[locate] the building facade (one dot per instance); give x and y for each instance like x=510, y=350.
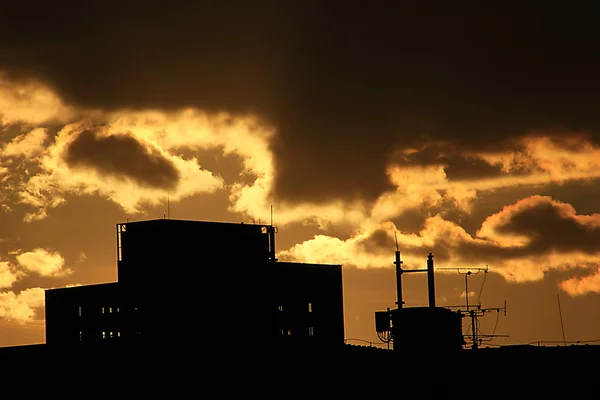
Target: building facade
x=197, y=282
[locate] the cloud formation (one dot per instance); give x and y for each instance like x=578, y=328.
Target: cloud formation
x=21, y=307
x=43, y=262
x=521, y=242
x=346, y=86
x=8, y=275
x=122, y=156
x=28, y=144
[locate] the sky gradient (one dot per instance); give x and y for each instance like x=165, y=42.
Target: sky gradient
x=466, y=131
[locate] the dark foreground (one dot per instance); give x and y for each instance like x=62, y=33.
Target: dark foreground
x=184, y=371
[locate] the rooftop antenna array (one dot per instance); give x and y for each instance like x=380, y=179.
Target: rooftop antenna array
x=385, y=334
x=476, y=337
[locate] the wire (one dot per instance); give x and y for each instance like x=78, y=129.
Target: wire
x=496, y=324
x=481, y=289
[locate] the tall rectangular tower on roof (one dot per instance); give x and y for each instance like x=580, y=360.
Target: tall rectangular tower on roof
x=147, y=249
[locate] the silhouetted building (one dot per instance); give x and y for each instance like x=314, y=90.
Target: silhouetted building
x=420, y=329
x=196, y=282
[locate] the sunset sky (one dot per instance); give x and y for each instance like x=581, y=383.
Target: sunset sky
x=472, y=132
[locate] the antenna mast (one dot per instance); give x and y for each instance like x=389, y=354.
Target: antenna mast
x=399, y=271
x=562, y=327
x=168, y=207
x=474, y=313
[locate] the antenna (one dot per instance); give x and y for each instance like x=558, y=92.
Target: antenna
x=562, y=327
x=271, y=215
x=474, y=313
x=396, y=238
x=168, y=207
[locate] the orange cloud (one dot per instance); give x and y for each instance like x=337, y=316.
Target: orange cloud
x=43, y=262
x=8, y=275
x=27, y=145
x=580, y=286
x=30, y=102
x=21, y=307
x=521, y=242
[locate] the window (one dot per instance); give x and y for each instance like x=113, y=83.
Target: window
x=281, y=332
x=280, y=308
x=309, y=307
x=110, y=334
x=110, y=310
x=311, y=331
x=102, y=310
x=103, y=335
x=263, y=230
x=117, y=309
x=80, y=311
x=80, y=336
x=289, y=332
x=118, y=334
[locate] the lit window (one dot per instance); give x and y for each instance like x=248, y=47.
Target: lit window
x=281, y=332
x=117, y=309
x=309, y=307
x=80, y=311
x=263, y=229
x=311, y=331
x=110, y=310
x=118, y=334
x=289, y=332
x=103, y=335
x=110, y=334
x=102, y=310
x=80, y=336
x=280, y=308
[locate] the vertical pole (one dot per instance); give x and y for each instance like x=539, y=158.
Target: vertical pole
x=430, y=280
x=398, y=263
x=474, y=329
x=467, y=289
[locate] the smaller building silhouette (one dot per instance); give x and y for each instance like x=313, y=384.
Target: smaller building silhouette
x=420, y=329
x=196, y=282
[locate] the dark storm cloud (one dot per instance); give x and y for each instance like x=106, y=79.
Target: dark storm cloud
x=345, y=82
x=122, y=156
x=547, y=226
x=456, y=165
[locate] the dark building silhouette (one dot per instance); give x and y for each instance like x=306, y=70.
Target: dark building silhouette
x=420, y=329
x=201, y=283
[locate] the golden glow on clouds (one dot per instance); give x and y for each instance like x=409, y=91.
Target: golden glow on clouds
x=43, y=262
x=28, y=144
x=507, y=254
x=57, y=178
x=581, y=286
x=21, y=307
x=548, y=159
x=8, y=276
x=542, y=160
x=30, y=102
